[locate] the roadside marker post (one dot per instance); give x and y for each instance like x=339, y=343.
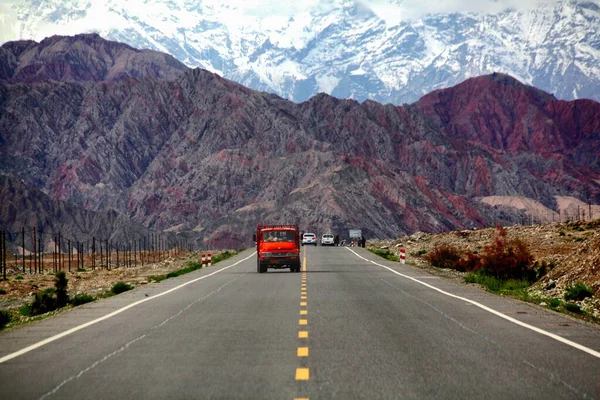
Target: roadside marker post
x=402, y=256
x=203, y=260
x=209, y=260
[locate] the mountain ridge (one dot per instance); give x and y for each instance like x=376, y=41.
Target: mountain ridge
x=344, y=49
x=201, y=154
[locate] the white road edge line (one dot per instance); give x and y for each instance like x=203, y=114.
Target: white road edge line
x=490, y=310
x=107, y=316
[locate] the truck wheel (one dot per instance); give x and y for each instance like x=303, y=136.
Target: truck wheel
x=262, y=268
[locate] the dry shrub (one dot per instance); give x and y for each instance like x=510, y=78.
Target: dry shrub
x=444, y=256
x=471, y=262
x=507, y=258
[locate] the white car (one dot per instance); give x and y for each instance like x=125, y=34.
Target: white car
x=327, y=240
x=309, y=238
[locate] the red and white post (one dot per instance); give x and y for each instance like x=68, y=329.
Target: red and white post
x=203, y=260
x=402, y=255
x=209, y=260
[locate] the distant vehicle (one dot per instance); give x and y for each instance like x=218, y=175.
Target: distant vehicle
x=277, y=247
x=327, y=240
x=309, y=238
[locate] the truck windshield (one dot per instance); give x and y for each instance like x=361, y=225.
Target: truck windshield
x=278, y=236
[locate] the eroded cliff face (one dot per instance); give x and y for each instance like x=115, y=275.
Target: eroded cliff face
x=191, y=151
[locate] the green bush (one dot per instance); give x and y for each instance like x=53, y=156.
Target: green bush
x=574, y=308
x=444, y=256
x=561, y=233
x=81, y=299
x=4, y=318
x=2, y=291
x=578, y=292
x=554, y=302
x=19, y=278
x=172, y=274
x=45, y=301
x=120, y=287
x=60, y=283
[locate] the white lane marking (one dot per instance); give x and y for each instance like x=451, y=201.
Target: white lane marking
x=491, y=310
x=107, y=316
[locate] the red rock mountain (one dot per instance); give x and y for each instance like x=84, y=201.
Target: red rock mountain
x=186, y=150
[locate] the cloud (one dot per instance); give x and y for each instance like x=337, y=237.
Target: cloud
x=394, y=11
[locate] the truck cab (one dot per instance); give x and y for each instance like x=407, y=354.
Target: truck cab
x=277, y=247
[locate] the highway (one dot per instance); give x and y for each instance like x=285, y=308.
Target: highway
x=343, y=328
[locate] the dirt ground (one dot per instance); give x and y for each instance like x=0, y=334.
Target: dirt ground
x=20, y=287
x=572, y=247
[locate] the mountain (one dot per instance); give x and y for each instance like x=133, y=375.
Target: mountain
x=200, y=154
x=349, y=49
x=25, y=207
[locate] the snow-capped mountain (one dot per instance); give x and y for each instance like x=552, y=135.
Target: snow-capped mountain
x=346, y=48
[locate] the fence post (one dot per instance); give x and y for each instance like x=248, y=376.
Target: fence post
x=41, y=251
x=23, y=250
x=2, y=250
x=35, y=263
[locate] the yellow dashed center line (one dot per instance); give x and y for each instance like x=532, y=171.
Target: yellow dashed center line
x=302, y=351
x=302, y=374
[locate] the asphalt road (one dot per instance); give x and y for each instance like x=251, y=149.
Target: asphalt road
x=357, y=331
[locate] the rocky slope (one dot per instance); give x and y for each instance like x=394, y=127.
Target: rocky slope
x=197, y=153
x=572, y=249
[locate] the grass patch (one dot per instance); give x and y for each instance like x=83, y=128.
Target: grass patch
x=25, y=310
x=388, y=255
x=81, y=299
x=578, y=292
x=223, y=256
x=192, y=266
x=493, y=284
x=19, y=278
x=156, y=278
x=120, y=287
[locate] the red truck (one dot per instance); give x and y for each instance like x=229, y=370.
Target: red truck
x=277, y=246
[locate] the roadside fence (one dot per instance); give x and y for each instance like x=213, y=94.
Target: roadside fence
x=36, y=252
